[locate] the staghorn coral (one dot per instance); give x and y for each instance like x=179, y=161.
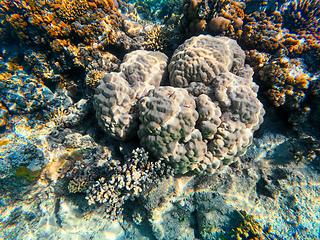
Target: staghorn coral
x=125, y=180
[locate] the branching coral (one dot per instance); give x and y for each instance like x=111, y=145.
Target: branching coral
x=60, y=29
x=71, y=10
x=157, y=38
x=260, y=33
x=125, y=180
x=302, y=16
x=287, y=82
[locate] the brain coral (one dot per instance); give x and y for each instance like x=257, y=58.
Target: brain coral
x=203, y=122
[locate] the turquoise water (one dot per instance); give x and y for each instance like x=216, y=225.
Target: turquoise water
x=159, y=119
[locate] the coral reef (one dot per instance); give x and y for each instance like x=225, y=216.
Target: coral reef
x=157, y=39
x=55, y=32
x=261, y=33
x=214, y=17
x=285, y=82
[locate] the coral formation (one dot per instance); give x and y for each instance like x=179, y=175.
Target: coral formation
x=56, y=31
x=261, y=33
x=201, y=59
x=285, y=82
x=201, y=132
x=157, y=38
x=215, y=17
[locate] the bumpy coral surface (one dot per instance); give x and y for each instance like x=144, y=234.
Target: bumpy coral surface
x=144, y=66
x=116, y=96
x=168, y=117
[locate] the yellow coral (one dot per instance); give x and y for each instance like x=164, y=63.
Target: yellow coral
x=156, y=39
x=93, y=77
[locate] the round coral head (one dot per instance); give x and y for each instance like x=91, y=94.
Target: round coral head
x=218, y=25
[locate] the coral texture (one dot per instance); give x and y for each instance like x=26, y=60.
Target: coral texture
x=214, y=16
x=201, y=59
x=116, y=96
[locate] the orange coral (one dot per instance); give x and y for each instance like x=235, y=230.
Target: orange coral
x=286, y=82
x=64, y=26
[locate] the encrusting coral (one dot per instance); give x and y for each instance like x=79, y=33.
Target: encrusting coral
x=202, y=122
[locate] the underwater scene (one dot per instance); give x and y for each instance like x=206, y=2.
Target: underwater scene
x=160, y=119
